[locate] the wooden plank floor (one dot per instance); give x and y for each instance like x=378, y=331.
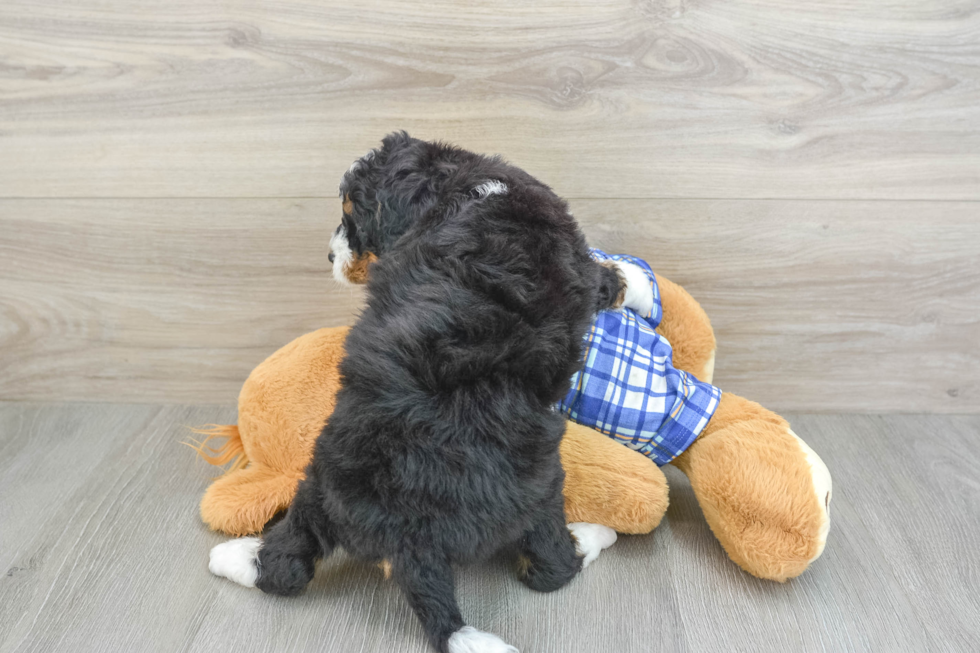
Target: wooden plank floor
x=101, y=549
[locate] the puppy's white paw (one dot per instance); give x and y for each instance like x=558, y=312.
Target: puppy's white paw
x=237, y=560
x=639, y=292
x=470, y=640
x=591, y=539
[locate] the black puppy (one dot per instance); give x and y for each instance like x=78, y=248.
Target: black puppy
x=443, y=446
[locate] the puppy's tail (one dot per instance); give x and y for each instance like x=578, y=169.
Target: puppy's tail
x=230, y=451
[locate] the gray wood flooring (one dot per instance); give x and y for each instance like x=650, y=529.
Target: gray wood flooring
x=101, y=549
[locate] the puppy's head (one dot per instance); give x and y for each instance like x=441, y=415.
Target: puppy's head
x=380, y=198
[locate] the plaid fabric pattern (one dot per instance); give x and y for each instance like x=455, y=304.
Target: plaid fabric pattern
x=629, y=388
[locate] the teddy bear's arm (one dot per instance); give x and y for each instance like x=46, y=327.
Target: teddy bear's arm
x=686, y=327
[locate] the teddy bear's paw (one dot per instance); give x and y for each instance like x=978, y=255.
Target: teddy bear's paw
x=470, y=640
x=639, y=290
x=591, y=539
x=237, y=560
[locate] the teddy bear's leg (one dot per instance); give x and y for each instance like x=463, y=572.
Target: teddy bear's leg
x=764, y=492
x=609, y=484
x=281, y=411
x=686, y=327
x=243, y=501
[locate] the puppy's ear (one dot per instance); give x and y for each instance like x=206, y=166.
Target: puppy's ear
x=394, y=215
x=396, y=140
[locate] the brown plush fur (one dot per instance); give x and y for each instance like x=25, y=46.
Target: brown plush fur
x=280, y=412
x=754, y=485
x=749, y=474
x=686, y=327
x=628, y=493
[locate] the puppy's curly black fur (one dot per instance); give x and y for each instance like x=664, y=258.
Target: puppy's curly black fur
x=443, y=446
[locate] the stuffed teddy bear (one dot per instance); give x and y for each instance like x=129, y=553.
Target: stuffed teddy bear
x=764, y=492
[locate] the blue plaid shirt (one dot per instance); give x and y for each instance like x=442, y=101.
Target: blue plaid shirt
x=629, y=388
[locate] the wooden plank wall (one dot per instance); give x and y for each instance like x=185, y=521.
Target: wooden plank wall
x=811, y=172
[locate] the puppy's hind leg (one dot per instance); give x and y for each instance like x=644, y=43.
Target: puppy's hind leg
x=283, y=562
x=427, y=582
x=288, y=555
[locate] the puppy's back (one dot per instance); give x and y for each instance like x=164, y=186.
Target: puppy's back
x=471, y=333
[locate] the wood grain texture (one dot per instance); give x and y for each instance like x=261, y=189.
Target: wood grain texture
x=822, y=306
x=601, y=98
x=102, y=550
x=166, y=299
x=818, y=306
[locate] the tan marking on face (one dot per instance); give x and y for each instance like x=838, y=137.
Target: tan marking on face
x=348, y=206
x=385, y=566
x=523, y=566
x=357, y=270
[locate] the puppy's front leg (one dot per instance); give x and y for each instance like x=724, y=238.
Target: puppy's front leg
x=548, y=557
x=624, y=284
x=611, y=285
x=552, y=553
x=282, y=563
x=637, y=289
x=427, y=582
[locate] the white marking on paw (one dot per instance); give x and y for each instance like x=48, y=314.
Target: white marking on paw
x=342, y=256
x=470, y=640
x=591, y=539
x=492, y=187
x=237, y=560
x=823, y=487
x=639, y=292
